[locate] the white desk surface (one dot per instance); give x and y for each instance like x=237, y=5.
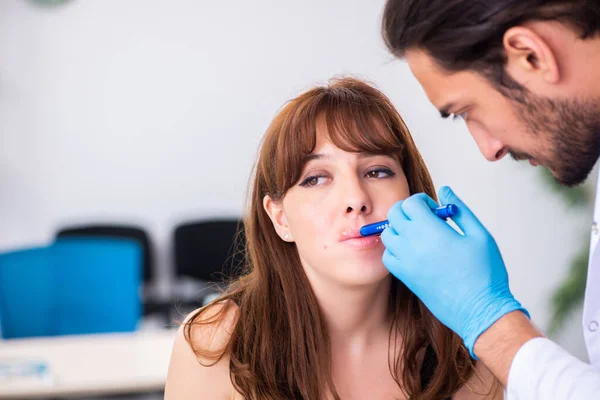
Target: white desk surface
x=90, y=364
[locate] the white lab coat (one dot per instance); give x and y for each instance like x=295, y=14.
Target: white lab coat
x=541, y=370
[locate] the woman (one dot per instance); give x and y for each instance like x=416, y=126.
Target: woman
x=317, y=315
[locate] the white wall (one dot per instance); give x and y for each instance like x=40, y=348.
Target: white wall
x=151, y=112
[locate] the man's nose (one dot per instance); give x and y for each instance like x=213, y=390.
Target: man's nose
x=491, y=148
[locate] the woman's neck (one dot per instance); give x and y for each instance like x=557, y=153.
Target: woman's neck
x=355, y=316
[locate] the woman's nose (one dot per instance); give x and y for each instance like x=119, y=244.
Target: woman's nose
x=362, y=209
x=357, y=199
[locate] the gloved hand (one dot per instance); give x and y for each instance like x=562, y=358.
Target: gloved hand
x=460, y=278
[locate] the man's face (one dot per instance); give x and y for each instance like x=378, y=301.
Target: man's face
x=562, y=135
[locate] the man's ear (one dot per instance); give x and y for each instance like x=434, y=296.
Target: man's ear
x=275, y=212
x=529, y=57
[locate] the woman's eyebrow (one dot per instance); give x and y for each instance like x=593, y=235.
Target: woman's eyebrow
x=360, y=154
x=364, y=154
x=317, y=156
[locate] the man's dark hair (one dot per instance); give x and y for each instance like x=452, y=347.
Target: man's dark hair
x=468, y=34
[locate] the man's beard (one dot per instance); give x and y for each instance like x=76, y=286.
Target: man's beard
x=569, y=129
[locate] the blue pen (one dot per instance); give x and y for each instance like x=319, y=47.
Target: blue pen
x=443, y=212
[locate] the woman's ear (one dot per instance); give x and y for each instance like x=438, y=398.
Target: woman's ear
x=275, y=212
x=529, y=56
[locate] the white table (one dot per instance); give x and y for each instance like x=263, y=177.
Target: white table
x=89, y=365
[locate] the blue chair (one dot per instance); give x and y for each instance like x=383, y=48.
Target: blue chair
x=75, y=286
x=26, y=293
x=98, y=285
x=151, y=303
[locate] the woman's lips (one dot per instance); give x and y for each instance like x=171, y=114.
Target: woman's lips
x=350, y=234
x=363, y=242
x=353, y=238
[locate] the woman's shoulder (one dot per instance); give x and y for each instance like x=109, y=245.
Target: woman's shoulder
x=209, y=329
x=199, y=366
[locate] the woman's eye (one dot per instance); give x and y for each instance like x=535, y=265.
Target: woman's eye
x=380, y=173
x=313, y=181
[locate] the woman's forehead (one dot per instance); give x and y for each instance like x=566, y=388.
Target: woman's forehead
x=328, y=151
x=353, y=136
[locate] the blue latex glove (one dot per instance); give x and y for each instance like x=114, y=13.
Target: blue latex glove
x=460, y=278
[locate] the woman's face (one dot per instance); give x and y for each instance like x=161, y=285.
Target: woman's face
x=337, y=194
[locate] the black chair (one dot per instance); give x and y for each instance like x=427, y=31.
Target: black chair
x=210, y=251
x=150, y=304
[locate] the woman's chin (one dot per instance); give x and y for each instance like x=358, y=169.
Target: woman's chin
x=362, y=273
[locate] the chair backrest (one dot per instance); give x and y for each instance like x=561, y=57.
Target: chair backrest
x=99, y=285
x=209, y=250
x=26, y=293
x=116, y=231
x=75, y=286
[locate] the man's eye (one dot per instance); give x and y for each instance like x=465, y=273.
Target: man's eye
x=454, y=116
x=462, y=116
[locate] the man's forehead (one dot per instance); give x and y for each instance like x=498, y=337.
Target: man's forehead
x=443, y=88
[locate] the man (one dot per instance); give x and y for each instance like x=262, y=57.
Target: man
x=525, y=77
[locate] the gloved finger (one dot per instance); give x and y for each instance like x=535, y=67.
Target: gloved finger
x=396, y=216
x=395, y=265
x=465, y=219
x=418, y=207
x=392, y=241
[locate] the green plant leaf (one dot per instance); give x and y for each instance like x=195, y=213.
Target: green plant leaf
x=570, y=292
